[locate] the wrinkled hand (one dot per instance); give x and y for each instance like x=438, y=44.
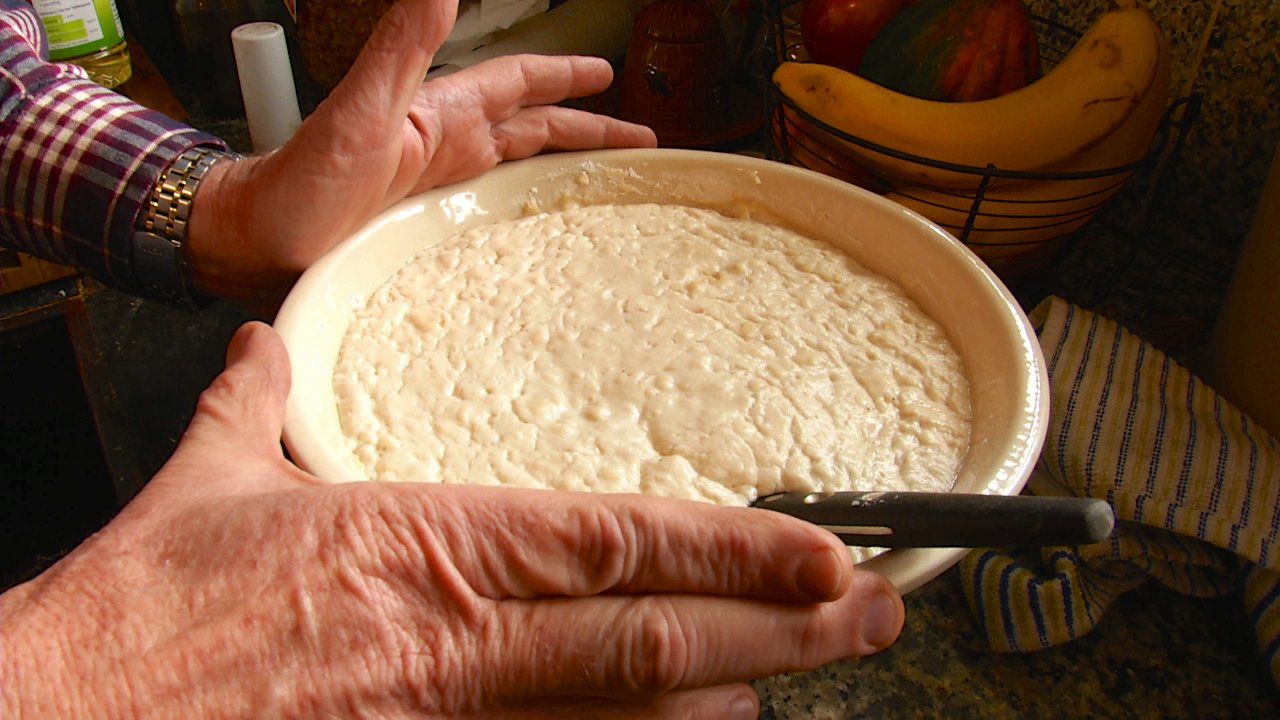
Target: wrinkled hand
x=383, y=134
x=236, y=585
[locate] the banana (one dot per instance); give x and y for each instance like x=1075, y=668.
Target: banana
x=1092, y=91
x=1018, y=215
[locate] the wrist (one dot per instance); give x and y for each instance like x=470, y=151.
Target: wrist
x=160, y=240
x=212, y=231
x=231, y=253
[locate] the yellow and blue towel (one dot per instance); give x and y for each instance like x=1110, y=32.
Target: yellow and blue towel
x=1194, y=482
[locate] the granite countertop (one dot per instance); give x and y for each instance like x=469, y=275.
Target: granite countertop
x=1155, y=655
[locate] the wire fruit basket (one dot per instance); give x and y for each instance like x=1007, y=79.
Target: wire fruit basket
x=1015, y=220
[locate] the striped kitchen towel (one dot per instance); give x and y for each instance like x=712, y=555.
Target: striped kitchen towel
x=1194, y=482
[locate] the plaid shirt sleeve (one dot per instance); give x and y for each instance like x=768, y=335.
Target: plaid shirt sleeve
x=77, y=161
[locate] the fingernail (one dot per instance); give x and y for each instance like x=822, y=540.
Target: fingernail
x=743, y=707
x=820, y=573
x=881, y=621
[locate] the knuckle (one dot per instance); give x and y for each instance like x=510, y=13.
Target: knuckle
x=607, y=546
x=657, y=657
x=370, y=534
x=395, y=23
x=430, y=671
x=222, y=395
x=726, y=550
x=813, y=646
x=421, y=636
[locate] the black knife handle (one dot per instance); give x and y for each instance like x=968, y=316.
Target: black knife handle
x=918, y=519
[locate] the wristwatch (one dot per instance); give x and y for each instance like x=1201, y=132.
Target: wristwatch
x=159, y=253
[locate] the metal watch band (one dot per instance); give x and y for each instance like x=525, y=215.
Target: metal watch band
x=159, y=257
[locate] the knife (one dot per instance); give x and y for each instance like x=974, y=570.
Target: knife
x=935, y=519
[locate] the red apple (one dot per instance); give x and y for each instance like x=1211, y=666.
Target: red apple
x=837, y=32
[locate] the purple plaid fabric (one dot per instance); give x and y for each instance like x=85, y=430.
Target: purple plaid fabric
x=76, y=160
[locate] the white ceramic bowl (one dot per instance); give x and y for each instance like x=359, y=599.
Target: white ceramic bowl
x=1007, y=376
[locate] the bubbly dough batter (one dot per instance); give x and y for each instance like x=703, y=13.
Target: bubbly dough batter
x=649, y=348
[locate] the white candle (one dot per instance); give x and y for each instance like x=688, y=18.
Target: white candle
x=266, y=84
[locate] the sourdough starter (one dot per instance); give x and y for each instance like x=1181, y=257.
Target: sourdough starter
x=649, y=348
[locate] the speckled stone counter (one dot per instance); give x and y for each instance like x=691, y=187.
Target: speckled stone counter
x=1155, y=655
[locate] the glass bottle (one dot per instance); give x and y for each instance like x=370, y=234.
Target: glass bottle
x=88, y=33
x=207, y=65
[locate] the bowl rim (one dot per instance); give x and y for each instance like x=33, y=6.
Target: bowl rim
x=907, y=568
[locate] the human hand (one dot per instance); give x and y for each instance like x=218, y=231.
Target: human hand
x=236, y=585
x=383, y=134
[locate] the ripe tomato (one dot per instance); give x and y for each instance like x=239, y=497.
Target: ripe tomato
x=836, y=32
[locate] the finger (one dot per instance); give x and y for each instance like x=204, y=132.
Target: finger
x=512, y=82
x=240, y=415
x=394, y=61
x=557, y=128
x=244, y=405
x=638, y=646
x=509, y=542
x=725, y=702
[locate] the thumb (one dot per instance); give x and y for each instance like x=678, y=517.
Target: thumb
x=395, y=59
x=233, y=441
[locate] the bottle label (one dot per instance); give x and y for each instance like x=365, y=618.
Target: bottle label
x=79, y=27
